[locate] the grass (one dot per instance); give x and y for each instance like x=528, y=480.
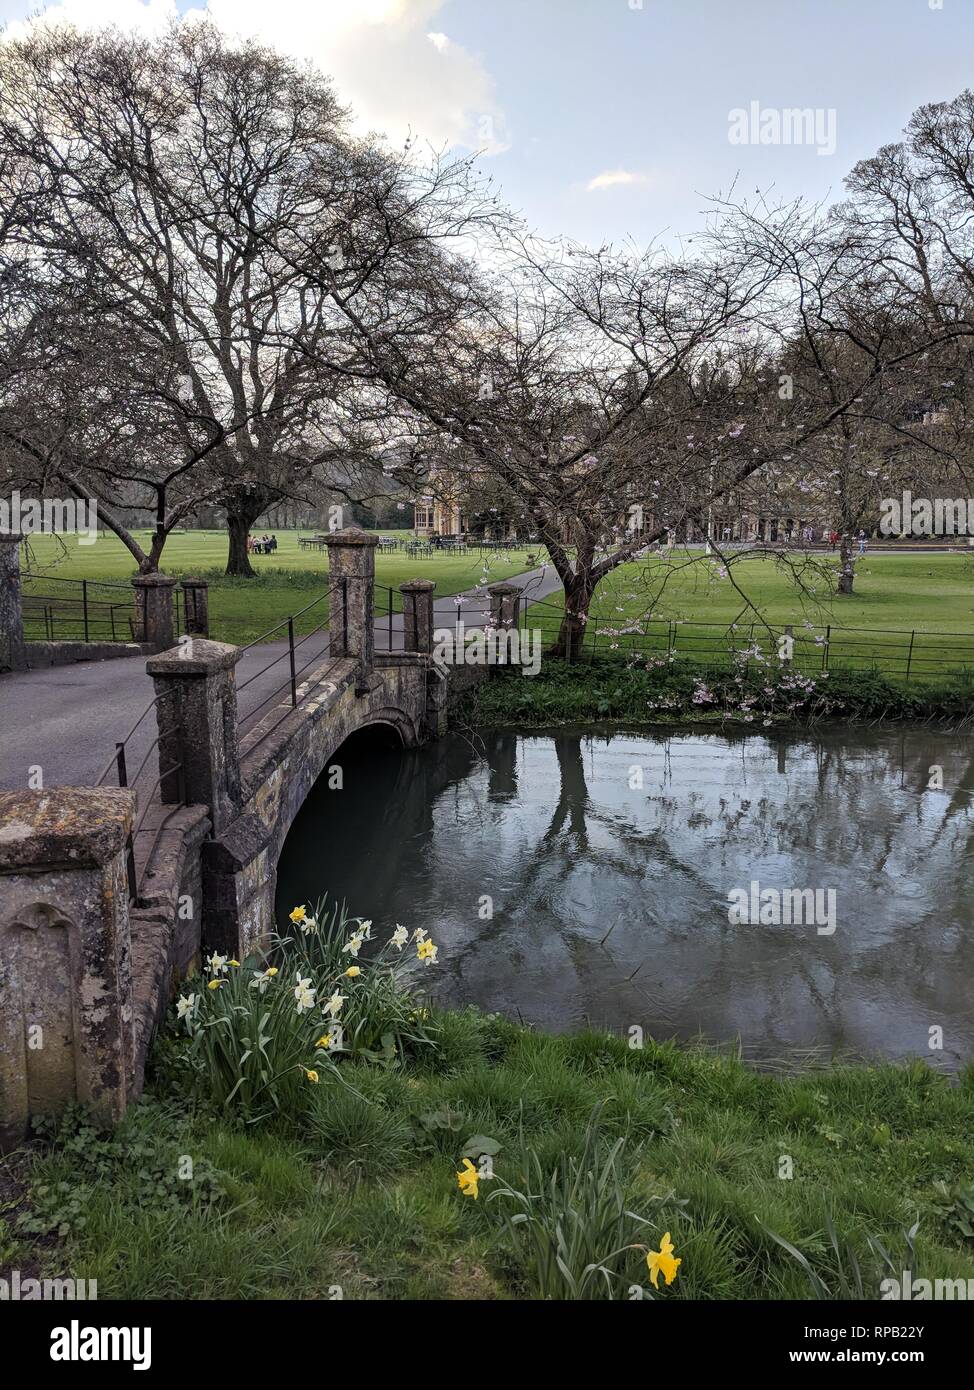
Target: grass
x=359, y=1193
x=625, y=692
x=686, y=605
x=243, y=609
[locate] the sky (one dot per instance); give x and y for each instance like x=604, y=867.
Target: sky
x=607, y=120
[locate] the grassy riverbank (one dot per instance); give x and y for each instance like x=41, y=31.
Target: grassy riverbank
x=358, y=1191
x=614, y=688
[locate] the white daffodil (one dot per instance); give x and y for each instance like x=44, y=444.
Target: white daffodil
x=334, y=1005
x=262, y=978
x=399, y=937
x=304, y=994
x=217, y=964
x=354, y=944
x=309, y=925
x=419, y=934
x=185, y=1004
x=365, y=929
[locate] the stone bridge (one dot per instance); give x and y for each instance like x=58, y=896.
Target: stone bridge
x=98, y=926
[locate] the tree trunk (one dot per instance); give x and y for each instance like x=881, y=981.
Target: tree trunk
x=241, y=515
x=571, y=634
x=847, y=565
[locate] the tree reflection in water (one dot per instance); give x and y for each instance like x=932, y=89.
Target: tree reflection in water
x=609, y=902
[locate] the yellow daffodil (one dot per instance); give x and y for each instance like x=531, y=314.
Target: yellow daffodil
x=467, y=1179
x=353, y=970
x=298, y=914
x=235, y=962
x=215, y=984
x=324, y=1040
x=661, y=1261
x=427, y=951
x=312, y=1076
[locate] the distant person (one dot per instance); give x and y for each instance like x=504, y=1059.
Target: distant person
x=863, y=540
x=272, y=544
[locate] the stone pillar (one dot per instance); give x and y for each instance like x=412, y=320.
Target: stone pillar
x=505, y=602
x=153, y=610
x=351, y=624
x=65, y=973
x=196, y=606
x=417, y=615
x=13, y=651
x=197, y=717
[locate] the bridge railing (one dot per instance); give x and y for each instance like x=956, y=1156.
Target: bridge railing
x=307, y=650
x=117, y=772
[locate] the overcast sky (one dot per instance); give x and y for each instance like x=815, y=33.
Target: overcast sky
x=604, y=119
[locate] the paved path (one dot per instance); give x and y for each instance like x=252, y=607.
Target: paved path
x=67, y=719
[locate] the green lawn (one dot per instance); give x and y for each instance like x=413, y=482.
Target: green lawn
x=242, y=609
x=689, y=608
x=359, y=1192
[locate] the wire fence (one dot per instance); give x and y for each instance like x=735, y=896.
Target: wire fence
x=909, y=656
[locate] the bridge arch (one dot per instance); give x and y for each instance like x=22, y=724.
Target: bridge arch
x=280, y=764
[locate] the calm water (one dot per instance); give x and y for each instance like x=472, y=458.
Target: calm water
x=610, y=902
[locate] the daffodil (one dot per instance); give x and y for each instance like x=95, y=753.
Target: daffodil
x=467, y=1179
x=215, y=984
x=354, y=944
x=419, y=934
x=262, y=978
x=217, y=964
x=236, y=963
x=324, y=1041
x=312, y=1076
x=185, y=1005
x=399, y=937
x=353, y=971
x=427, y=951
x=334, y=1005
x=298, y=914
x=304, y=995
x=661, y=1261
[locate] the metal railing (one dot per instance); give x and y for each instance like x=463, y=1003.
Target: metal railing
x=144, y=788
x=83, y=609
x=291, y=682
x=907, y=655
x=86, y=610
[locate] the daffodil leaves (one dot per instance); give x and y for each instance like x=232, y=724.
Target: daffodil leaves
x=480, y=1145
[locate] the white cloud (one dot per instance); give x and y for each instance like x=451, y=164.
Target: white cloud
x=611, y=178
x=395, y=72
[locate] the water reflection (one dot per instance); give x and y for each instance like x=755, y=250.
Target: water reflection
x=609, y=899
